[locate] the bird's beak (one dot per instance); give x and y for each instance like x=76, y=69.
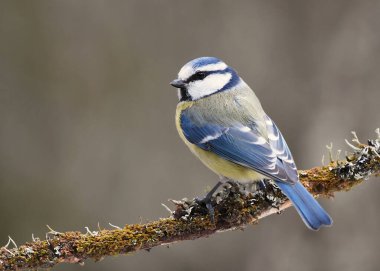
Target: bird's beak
x=178, y=83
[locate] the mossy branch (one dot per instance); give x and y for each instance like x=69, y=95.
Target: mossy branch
x=234, y=208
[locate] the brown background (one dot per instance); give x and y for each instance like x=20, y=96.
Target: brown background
x=87, y=129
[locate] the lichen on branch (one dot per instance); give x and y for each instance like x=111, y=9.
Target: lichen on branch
x=235, y=206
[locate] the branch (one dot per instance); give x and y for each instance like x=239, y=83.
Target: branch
x=235, y=207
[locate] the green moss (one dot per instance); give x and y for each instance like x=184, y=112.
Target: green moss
x=234, y=207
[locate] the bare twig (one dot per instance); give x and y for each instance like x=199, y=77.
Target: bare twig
x=234, y=208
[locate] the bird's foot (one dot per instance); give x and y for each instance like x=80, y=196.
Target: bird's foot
x=261, y=185
x=207, y=201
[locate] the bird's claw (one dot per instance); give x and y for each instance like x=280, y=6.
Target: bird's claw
x=207, y=201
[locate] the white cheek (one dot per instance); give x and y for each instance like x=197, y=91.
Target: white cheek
x=209, y=85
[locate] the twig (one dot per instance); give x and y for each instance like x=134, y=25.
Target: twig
x=234, y=208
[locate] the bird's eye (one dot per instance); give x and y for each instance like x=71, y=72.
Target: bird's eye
x=200, y=75
x=197, y=76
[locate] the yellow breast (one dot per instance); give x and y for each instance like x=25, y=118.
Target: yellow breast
x=214, y=162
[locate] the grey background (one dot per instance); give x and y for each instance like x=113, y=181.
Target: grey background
x=87, y=130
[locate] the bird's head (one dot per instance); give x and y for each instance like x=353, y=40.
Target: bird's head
x=203, y=77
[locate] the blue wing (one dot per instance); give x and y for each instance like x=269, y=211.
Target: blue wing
x=243, y=145
x=268, y=155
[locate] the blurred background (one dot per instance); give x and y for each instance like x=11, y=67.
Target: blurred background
x=87, y=130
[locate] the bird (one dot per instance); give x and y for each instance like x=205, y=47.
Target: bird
x=222, y=122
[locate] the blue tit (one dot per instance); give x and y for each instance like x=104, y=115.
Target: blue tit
x=222, y=122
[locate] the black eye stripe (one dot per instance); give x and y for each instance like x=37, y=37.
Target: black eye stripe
x=197, y=76
x=200, y=75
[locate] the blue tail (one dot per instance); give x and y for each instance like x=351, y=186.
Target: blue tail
x=312, y=214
